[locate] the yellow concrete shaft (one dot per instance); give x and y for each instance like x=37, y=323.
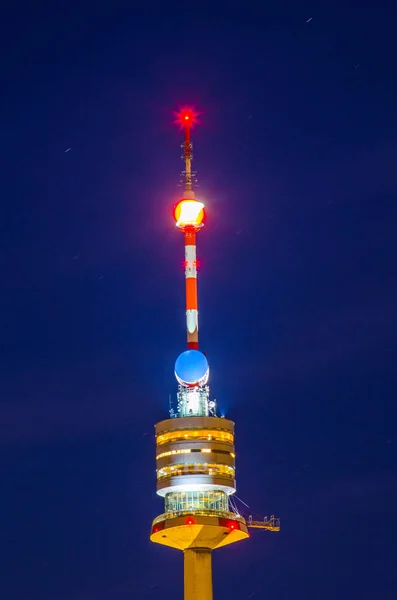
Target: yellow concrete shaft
x=198, y=574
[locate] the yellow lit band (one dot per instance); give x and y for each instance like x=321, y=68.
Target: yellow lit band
x=188, y=451
x=196, y=469
x=195, y=434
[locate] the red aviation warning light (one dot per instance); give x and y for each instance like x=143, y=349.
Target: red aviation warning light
x=189, y=213
x=186, y=117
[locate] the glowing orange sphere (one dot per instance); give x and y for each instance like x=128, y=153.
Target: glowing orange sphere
x=189, y=213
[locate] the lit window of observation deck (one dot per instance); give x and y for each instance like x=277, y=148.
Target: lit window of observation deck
x=211, y=500
x=189, y=450
x=213, y=470
x=195, y=434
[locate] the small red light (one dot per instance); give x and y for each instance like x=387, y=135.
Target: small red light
x=158, y=527
x=189, y=521
x=186, y=116
x=230, y=524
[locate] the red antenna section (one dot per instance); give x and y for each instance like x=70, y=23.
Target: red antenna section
x=189, y=217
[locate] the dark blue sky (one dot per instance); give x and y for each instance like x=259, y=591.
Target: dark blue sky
x=296, y=157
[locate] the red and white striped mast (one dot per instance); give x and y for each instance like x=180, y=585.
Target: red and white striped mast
x=189, y=216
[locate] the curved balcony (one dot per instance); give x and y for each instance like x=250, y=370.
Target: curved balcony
x=202, y=513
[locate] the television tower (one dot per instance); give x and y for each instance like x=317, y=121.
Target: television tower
x=195, y=455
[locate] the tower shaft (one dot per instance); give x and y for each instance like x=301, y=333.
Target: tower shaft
x=198, y=574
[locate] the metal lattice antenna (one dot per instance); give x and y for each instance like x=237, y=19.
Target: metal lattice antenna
x=187, y=117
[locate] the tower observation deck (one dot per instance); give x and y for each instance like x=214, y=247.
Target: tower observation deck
x=195, y=452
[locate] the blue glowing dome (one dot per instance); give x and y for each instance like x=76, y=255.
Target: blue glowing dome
x=191, y=368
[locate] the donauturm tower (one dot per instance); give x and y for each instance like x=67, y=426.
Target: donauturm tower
x=195, y=452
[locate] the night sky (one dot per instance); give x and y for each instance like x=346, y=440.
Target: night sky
x=296, y=159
